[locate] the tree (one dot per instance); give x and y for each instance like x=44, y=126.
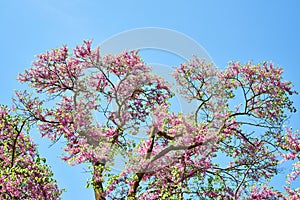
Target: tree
x=97, y=103
x=23, y=174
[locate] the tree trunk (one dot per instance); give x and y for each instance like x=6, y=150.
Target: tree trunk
x=97, y=181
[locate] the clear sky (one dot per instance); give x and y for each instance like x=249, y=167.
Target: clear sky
x=228, y=30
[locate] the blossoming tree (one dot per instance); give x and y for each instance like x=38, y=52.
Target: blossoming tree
x=229, y=147
x=23, y=174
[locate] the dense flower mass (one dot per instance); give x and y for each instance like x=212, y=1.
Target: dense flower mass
x=23, y=173
x=229, y=147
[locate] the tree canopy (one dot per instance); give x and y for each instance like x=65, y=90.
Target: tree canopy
x=229, y=147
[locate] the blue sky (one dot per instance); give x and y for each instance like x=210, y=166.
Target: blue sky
x=228, y=30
